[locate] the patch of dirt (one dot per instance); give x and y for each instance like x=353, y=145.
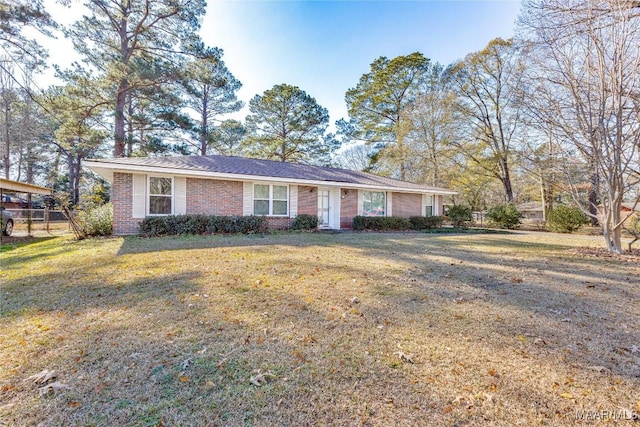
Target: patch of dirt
x=630, y=256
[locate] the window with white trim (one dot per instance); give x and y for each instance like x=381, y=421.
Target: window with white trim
x=271, y=200
x=374, y=203
x=428, y=211
x=160, y=195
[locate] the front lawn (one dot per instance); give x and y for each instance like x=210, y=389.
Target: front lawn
x=318, y=329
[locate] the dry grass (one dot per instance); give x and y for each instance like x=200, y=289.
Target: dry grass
x=517, y=329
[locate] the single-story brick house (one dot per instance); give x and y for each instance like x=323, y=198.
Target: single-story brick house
x=225, y=185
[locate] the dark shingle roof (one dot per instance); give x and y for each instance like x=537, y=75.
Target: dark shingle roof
x=266, y=168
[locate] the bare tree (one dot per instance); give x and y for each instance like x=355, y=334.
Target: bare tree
x=8, y=97
x=587, y=83
x=433, y=122
x=488, y=85
x=355, y=157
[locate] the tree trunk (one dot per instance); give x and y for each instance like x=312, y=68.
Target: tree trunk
x=130, y=130
x=593, y=198
x=119, y=133
x=72, y=180
x=204, y=131
x=6, y=158
x=506, y=179
x=29, y=164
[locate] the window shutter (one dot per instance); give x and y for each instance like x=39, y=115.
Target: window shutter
x=139, y=201
x=334, y=208
x=424, y=205
x=437, y=204
x=180, y=196
x=293, y=201
x=247, y=198
x=360, y=202
x=389, y=211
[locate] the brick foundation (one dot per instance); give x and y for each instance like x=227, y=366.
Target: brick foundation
x=279, y=223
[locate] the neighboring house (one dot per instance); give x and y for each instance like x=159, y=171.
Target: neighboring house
x=627, y=211
x=222, y=185
x=531, y=211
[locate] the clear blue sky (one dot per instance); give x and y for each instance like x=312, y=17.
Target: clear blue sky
x=325, y=46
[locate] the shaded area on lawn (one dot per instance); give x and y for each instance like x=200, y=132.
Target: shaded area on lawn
x=485, y=319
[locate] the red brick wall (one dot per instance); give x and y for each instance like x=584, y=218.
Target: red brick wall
x=348, y=207
x=307, y=200
x=279, y=223
x=406, y=204
x=121, y=197
x=213, y=197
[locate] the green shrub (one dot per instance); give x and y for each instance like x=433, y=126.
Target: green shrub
x=460, y=215
x=97, y=221
x=154, y=226
x=566, y=219
x=305, y=222
x=201, y=224
x=425, y=222
x=504, y=216
x=380, y=223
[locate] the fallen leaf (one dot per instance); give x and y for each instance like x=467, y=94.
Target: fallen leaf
x=209, y=385
x=184, y=378
x=259, y=379
x=74, y=404
x=566, y=395
x=42, y=377
x=404, y=357
x=51, y=389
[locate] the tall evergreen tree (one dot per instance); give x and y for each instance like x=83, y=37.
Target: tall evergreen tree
x=288, y=125
x=211, y=93
x=122, y=39
x=377, y=103
x=15, y=16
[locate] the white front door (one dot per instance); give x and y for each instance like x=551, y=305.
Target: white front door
x=323, y=208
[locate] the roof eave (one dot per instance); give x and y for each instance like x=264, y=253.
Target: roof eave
x=8, y=185
x=106, y=170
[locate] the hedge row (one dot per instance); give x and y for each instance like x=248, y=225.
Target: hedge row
x=210, y=224
x=202, y=224
x=380, y=223
x=305, y=222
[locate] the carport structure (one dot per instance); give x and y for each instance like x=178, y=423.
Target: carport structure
x=9, y=186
